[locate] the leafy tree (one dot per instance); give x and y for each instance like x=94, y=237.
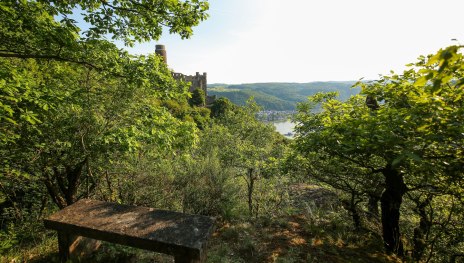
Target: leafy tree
x=357, y=184
x=198, y=98
x=97, y=118
x=255, y=148
x=413, y=138
x=220, y=107
x=71, y=102
x=37, y=33
x=46, y=31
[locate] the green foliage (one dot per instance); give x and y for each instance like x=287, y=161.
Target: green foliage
x=98, y=116
x=207, y=187
x=251, y=147
x=126, y=20
x=72, y=104
x=7, y=241
x=198, y=98
x=210, y=177
x=414, y=135
x=201, y=116
x=80, y=117
x=30, y=30
x=220, y=107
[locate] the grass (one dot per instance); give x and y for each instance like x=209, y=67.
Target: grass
x=311, y=231
x=295, y=241
x=318, y=231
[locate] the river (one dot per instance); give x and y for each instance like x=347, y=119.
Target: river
x=285, y=128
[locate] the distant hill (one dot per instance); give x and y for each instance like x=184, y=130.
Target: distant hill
x=280, y=96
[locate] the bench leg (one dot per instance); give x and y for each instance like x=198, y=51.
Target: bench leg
x=75, y=247
x=64, y=242
x=185, y=259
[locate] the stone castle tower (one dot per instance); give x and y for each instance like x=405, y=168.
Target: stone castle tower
x=161, y=51
x=197, y=81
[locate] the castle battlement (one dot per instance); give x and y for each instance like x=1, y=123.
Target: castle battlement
x=197, y=81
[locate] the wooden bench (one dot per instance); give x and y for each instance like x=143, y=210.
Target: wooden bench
x=180, y=235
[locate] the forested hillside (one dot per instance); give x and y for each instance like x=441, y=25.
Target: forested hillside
x=373, y=177
x=280, y=96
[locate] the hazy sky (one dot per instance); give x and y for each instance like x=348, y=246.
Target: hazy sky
x=246, y=41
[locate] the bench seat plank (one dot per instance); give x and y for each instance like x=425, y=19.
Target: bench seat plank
x=162, y=231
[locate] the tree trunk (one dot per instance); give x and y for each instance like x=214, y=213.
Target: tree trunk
x=354, y=213
x=250, y=184
x=421, y=232
x=351, y=206
x=390, y=201
x=63, y=185
x=54, y=192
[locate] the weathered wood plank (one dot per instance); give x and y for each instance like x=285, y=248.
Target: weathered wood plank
x=180, y=235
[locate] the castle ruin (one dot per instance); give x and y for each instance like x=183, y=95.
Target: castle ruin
x=197, y=81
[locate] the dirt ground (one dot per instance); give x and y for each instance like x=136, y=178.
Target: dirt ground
x=306, y=235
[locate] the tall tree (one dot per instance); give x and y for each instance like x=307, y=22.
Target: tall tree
x=255, y=148
x=71, y=101
x=47, y=31
x=410, y=131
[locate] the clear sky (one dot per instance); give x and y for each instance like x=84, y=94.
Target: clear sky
x=247, y=41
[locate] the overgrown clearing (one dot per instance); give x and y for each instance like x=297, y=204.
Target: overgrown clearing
x=380, y=170
x=315, y=228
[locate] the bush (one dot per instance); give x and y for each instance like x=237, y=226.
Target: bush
x=206, y=187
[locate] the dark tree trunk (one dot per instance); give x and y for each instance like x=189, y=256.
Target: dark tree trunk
x=63, y=185
x=354, y=213
x=54, y=192
x=351, y=207
x=421, y=232
x=390, y=202
x=250, y=185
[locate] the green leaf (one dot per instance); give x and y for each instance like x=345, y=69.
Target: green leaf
x=420, y=81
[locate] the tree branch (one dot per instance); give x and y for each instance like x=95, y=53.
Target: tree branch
x=52, y=57
x=57, y=58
